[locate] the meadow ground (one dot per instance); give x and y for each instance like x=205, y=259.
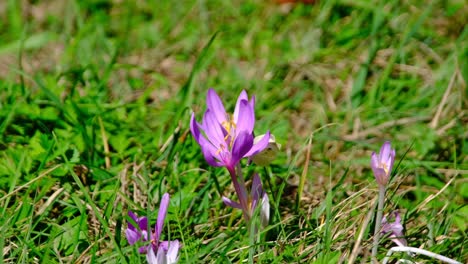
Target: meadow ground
x=95, y=104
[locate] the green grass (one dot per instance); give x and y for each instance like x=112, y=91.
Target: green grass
x=95, y=102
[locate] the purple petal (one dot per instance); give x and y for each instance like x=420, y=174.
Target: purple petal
x=385, y=152
x=260, y=146
x=164, y=245
x=257, y=190
x=231, y=203
x=395, y=229
x=143, y=223
x=208, y=149
x=374, y=161
x=151, y=257
x=246, y=118
x=194, y=128
x=391, y=160
x=132, y=236
x=213, y=130
x=380, y=176
x=243, y=96
x=173, y=251
x=134, y=217
x=161, y=215
x=397, y=218
x=242, y=145
x=211, y=159
x=215, y=104
x=252, y=102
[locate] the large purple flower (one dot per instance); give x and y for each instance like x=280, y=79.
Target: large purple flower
x=226, y=139
x=382, y=163
x=156, y=250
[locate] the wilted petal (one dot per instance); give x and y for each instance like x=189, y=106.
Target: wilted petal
x=231, y=203
x=215, y=104
x=265, y=210
x=161, y=215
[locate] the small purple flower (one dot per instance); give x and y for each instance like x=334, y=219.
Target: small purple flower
x=226, y=139
x=395, y=230
x=139, y=233
x=382, y=163
x=257, y=197
x=157, y=250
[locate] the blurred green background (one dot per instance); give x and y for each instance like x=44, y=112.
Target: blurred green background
x=95, y=98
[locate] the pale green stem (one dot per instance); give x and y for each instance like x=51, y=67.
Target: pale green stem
x=378, y=221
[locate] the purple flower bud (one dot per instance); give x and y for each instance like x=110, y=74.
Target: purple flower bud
x=382, y=163
x=156, y=251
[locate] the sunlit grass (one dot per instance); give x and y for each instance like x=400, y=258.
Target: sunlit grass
x=95, y=102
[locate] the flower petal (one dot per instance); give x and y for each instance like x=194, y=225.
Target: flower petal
x=151, y=257
x=210, y=157
x=172, y=252
x=257, y=190
x=161, y=216
x=195, y=128
x=391, y=161
x=132, y=236
x=385, y=152
x=261, y=145
x=231, y=203
x=208, y=149
x=215, y=104
x=374, y=161
x=243, y=96
x=214, y=131
x=246, y=118
x=242, y=145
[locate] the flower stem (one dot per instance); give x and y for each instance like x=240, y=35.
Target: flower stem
x=239, y=186
x=378, y=221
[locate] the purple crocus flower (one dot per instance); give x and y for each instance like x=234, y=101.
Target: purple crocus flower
x=139, y=232
x=395, y=230
x=157, y=251
x=382, y=163
x=257, y=197
x=226, y=139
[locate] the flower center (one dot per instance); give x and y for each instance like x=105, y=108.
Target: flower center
x=384, y=166
x=230, y=126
